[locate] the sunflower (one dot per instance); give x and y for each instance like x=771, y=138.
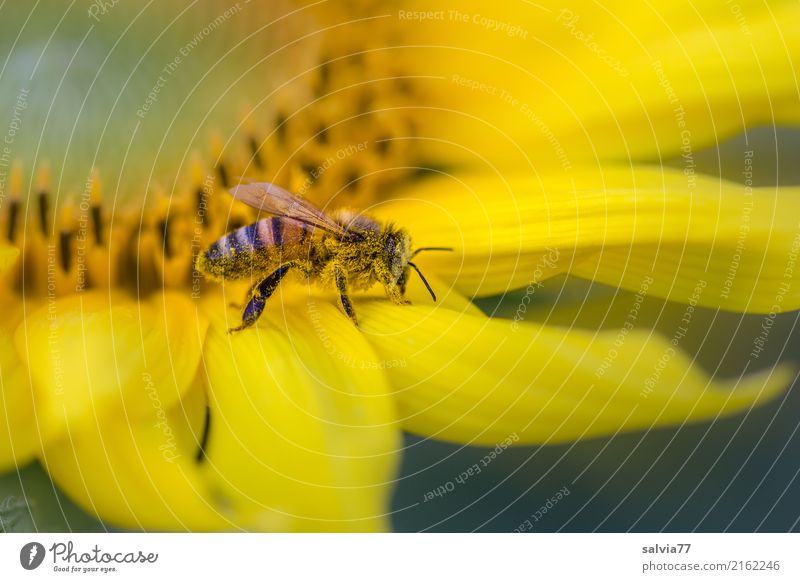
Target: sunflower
x=528, y=138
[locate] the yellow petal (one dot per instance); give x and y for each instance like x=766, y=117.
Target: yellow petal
x=88, y=357
x=303, y=433
x=619, y=226
x=417, y=294
x=140, y=473
x=19, y=439
x=555, y=84
x=482, y=381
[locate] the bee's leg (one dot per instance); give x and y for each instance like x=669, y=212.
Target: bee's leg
x=398, y=291
x=341, y=286
x=403, y=281
x=265, y=288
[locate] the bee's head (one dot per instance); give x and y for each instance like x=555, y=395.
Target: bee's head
x=398, y=253
x=397, y=249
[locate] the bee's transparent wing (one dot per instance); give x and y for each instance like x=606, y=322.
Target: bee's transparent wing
x=273, y=199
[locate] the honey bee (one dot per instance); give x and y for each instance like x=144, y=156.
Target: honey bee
x=345, y=250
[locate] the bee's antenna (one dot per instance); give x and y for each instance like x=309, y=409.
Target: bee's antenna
x=418, y=251
x=412, y=265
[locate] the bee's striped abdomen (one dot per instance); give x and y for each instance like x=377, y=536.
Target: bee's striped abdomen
x=268, y=233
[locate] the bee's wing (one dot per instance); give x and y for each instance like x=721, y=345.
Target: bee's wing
x=273, y=199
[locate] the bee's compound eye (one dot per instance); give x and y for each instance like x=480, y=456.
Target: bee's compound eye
x=394, y=257
x=390, y=245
